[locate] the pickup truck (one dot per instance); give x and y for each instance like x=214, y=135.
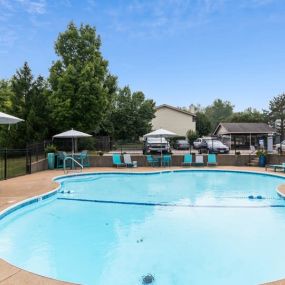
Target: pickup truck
x=156, y=145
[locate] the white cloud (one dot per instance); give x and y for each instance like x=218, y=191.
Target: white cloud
x=156, y=18
x=256, y=3
x=159, y=17
x=33, y=7
x=7, y=37
x=30, y=6
x=12, y=15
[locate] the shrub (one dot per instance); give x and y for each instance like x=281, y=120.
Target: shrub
x=51, y=148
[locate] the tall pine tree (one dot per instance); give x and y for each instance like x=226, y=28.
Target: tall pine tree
x=29, y=102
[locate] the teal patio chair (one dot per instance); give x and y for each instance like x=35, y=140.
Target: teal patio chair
x=84, y=158
x=117, y=160
x=152, y=161
x=187, y=161
x=166, y=160
x=60, y=156
x=212, y=159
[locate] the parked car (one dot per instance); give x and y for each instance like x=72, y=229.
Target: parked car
x=181, y=144
x=197, y=143
x=156, y=145
x=280, y=146
x=201, y=143
x=216, y=146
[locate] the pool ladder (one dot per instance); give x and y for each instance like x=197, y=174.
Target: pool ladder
x=74, y=162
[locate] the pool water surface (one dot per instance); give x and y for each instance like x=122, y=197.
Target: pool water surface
x=192, y=227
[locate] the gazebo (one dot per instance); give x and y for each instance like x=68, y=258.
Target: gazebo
x=245, y=135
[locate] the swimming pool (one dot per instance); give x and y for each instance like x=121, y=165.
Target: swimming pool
x=187, y=227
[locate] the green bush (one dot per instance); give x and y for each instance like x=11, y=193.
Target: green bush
x=51, y=148
x=261, y=153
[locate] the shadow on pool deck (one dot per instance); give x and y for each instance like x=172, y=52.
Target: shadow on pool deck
x=23, y=187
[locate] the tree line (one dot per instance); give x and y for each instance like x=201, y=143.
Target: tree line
x=80, y=93
x=208, y=118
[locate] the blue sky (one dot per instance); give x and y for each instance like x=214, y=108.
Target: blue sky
x=176, y=51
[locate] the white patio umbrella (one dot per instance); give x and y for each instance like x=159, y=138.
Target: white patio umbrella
x=160, y=133
x=6, y=119
x=74, y=135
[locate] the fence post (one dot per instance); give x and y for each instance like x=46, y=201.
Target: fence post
x=5, y=163
x=28, y=161
x=37, y=152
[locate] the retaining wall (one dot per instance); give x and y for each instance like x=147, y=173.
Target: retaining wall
x=223, y=160
x=39, y=165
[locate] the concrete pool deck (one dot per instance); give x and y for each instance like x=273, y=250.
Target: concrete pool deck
x=21, y=188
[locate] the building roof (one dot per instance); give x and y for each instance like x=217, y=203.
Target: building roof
x=243, y=128
x=175, y=109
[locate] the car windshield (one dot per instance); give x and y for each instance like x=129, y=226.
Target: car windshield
x=214, y=142
x=182, y=141
x=218, y=143
x=156, y=140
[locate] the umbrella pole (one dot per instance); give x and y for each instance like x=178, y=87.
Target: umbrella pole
x=72, y=152
x=161, y=151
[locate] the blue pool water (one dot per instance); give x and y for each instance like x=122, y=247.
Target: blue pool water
x=194, y=227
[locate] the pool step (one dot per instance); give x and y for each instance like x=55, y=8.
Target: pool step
x=253, y=161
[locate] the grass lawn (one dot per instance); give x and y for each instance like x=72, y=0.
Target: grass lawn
x=15, y=166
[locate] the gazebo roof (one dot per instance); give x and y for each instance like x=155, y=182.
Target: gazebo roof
x=243, y=128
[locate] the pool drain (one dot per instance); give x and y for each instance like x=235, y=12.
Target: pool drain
x=255, y=197
x=147, y=279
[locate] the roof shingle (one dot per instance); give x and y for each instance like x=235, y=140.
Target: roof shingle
x=243, y=128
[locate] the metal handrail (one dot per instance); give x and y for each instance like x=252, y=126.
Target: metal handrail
x=73, y=160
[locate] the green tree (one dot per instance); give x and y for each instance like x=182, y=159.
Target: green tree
x=5, y=95
x=218, y=112
x=132, y=115
x=203, y=124
x=5, y=105
x=21, y=86
x=28, y=100
x=249, y=115
x=276, y=113
x=82, y=87
x=37, y=118
x=191, y=137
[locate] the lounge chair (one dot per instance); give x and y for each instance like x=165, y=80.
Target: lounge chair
x=117, y=160
x=60, y=156
x=127, y=160
x=166, y=160
x=275, y=166
x=152, y=161
x=199, y=160
x=187, y=161
x=212, y=159
x=252, y=149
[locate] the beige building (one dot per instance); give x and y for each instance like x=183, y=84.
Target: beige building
x=174, y=119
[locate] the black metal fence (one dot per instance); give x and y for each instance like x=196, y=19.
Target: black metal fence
x=37, y=150
x=122, y=147
x=14, y=162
